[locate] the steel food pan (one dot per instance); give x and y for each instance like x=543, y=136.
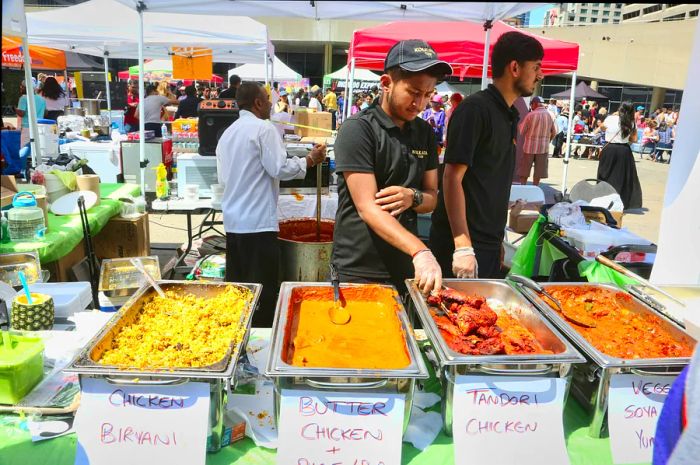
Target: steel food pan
x=449, y=364
x=667, y=307
x=591, y=381
x=287, y=376
x=12, y=263
x=87, y=360
x=120, y=278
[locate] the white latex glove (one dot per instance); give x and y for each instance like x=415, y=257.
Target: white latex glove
x=464, y=265
x=428, y=275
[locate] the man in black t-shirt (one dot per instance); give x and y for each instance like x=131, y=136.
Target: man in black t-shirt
x=386, y=158
x=234, y=82
x=468, y=223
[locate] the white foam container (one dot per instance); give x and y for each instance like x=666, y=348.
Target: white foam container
x=68, y=298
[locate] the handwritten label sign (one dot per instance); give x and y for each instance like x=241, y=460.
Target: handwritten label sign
x=507, y=420
x=340, y=428
x=142, y=424
x=634, y=405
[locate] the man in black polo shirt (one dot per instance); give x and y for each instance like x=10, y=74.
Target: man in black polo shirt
x=468, y=223
x=387, y=160
x=234, y=83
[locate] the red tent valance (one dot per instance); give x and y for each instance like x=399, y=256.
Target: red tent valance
x=460, y=43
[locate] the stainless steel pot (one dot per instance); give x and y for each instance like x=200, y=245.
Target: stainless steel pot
x=450, y=364
x=401, y=381
x=591, y=381
x=73, y=111
x=91, y=106
x=302, y=260
x=219, y=376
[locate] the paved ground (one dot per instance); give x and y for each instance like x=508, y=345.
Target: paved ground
x=168, y=230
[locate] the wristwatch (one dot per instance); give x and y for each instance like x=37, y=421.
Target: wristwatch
x=417, y=197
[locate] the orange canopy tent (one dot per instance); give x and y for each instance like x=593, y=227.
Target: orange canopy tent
x=42, y=57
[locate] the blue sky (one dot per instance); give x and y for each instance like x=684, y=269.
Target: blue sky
x=537, y=15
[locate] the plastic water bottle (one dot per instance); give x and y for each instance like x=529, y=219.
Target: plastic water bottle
x=164, y=131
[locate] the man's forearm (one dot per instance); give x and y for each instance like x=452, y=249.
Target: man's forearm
x=390, y=230
x=456, y=207
x=429, y=202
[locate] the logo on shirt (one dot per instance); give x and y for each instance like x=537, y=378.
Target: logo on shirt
x=419, y=153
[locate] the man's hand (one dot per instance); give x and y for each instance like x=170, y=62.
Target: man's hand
x=428, y=275
x=316, y=155
x=394, y=199
x=464, y=264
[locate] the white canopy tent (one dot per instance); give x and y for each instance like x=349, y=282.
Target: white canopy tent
x=109, y=28
x=14, y=24
x=364, y=76
x=258, y=72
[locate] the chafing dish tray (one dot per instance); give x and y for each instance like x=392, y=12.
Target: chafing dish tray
x=385, y=380
x=12, y=263
x=219, y=376
x=690, y=295
x=120, y=278
x=449, y=364
x=592, y=380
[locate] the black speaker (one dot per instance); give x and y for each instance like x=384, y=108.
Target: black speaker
x=214, y=117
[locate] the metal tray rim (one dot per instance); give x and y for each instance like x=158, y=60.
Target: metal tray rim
x=75, y=365
x=124, y=291
x=275, y=367
x=600, y=358
x=448, y=357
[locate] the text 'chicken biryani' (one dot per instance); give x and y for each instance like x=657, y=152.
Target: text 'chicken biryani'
x=617, y=330
x=181, y=331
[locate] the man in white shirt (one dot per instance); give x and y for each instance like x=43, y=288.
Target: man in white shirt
x=152, y=107
x=251, y=160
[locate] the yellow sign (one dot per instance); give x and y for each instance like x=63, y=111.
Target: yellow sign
x=192, y=63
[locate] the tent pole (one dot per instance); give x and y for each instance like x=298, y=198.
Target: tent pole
x=34, y=143
x=109, y=97
x=568, y=133
x=142, y=116
x=485, y=64
x=345, y=100
x=266, y=68
x=350, y=85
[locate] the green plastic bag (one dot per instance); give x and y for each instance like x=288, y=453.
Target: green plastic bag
x=596, y=272
x=523, y=262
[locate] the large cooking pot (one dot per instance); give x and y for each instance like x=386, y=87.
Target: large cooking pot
x=303, y=257
x=74, y=111
x=91, y=106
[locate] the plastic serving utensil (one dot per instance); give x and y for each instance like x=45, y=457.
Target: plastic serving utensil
x=530, y=284
x=6, y=341
x=139, y=266
x=338, y=314
x=25, y=286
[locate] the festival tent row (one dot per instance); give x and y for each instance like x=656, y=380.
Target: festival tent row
x=256, y=72
x=364, y=79
x=158, y=70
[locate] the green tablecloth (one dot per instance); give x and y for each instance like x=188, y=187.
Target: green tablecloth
x=66, y=232
x=16, y=446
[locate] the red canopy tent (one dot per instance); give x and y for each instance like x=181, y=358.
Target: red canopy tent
x=460, y=43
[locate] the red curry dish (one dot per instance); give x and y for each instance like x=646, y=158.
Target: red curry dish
x=619, y=331
x=470, y=326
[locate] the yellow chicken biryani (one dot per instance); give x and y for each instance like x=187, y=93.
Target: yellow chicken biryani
x=180, y=331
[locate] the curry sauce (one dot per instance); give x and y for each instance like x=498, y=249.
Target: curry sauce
x=372, y=339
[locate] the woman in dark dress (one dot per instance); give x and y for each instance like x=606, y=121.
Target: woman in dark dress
x=617, y=165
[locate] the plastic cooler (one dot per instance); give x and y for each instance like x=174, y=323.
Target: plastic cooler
x=21, y=366
x=68, y=298
x=48, y=138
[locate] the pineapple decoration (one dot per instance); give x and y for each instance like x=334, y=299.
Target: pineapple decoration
x=32, y=317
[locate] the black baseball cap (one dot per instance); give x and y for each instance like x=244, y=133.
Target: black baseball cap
x=414, y=55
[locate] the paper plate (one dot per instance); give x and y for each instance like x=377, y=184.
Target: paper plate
x=68, y=204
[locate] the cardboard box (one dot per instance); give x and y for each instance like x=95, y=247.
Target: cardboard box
x=522, y=216
x=124, y=237
x=61, y=269
x=600, y=218
x=319, y=120
x=8, y=188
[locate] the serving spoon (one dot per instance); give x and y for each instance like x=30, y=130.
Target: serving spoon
x=338, y=314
